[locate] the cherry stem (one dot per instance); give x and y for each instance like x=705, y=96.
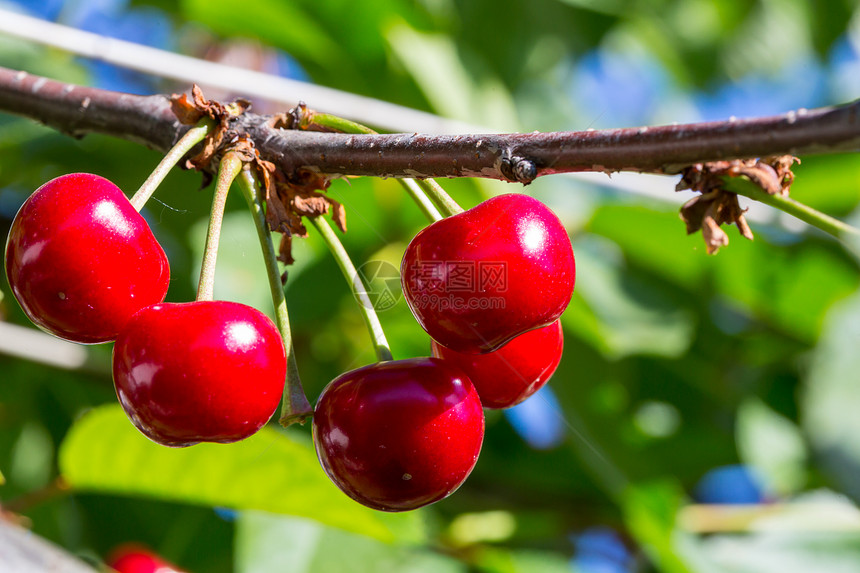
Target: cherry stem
x=357, y=286
x=421, y=199
x=419, y=191
x=228, y=169
x=835, y=227
x=446, y=205
x=294, y=405
x=191, y=138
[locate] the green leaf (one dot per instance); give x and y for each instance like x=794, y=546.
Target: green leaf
x=267, y=542
x=772, y=445
x=650, y=513
x=462, y=95
x=632, y=315
x=270, y=471
x=828, y=183
x=830, y=401
x=790, y=287
x=32, y=456
x=655, y=240
x=614, y=7
x=280, y=23
x=498, y=560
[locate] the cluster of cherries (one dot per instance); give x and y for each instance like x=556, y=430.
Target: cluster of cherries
x=85, y=266
x=488, y=285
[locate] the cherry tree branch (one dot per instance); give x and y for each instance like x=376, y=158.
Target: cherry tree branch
x=77, y=110
x=249, y=83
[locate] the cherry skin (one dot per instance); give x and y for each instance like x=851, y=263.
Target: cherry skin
x=80, y=259
x=477, y=279
x=210, y=371
x=133, y=558
x=509, y=375
x=399, y=435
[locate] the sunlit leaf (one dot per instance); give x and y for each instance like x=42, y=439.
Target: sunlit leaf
x=270, y=471
x=650, y=513
x=267, y=542
x=497, y=560
x=772, y=445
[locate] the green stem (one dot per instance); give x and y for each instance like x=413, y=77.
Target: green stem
x=446, y=205
x=420, y=197
x=835, y=227
x=336, y=123
x=191, y=138
x=228, y=169
x=294, y=406
x=426, y=194
x=359, y=289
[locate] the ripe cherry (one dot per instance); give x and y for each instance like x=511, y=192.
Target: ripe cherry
x=477, y=279
x=80, y=259
x=210, y=371
x=133, y=558
x=509, y=375
x=399, y=435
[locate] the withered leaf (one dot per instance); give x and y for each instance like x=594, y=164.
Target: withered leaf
x=185, y=111
x=288, y=198
x=716, y=206
x=714, y=236
x=338, y=215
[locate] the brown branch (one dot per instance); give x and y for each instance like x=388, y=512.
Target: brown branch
x=148, y=120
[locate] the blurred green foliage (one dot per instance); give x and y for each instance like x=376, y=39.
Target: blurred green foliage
x=675, y=362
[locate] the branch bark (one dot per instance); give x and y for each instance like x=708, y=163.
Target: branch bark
x=148, y=120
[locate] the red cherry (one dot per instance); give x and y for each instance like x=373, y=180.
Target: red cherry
x=210, y=371
x=80, y=259
x=509, y=375
x=133, y=558
x=399, y=435
x=476, y=280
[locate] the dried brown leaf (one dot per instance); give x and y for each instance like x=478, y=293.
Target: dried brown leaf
x=185, y=111
x=285, y=254
x=288, y=197
x=716, y=206
x=714, y=236
x=338, y=215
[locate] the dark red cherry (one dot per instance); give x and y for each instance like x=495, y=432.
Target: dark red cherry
x=210, y=371
x=80, y=259
x=133, y=558
x=476, y=280
x=399, y=435
x=509, y=375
